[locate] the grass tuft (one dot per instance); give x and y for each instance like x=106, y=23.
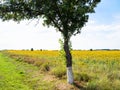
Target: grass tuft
x=59, y=72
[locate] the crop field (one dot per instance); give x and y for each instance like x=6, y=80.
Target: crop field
x=93, y=70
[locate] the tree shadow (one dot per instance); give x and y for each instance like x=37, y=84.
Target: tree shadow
x=79, y=85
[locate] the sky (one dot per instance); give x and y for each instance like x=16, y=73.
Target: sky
x=101, y=32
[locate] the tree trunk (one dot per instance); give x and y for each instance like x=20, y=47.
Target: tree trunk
x=68, y=62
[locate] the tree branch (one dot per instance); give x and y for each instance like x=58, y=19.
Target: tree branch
x=59, y=13
x=55, y=23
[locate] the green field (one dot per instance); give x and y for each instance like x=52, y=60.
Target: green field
x=16, y=75
x=45, y=70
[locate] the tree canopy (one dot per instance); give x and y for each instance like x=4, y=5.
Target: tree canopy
x=67, y=16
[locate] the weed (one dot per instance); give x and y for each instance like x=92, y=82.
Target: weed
x=81, y=77
x=59, y=72
x=45, y=67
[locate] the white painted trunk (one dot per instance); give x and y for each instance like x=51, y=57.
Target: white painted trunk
x=70, y=75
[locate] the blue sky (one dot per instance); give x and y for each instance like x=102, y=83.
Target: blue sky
x=101, y=31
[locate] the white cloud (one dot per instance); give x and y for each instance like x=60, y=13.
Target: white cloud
x=98, y=36
x=22, y=36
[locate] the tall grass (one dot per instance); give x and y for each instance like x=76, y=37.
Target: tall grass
x=95, y=70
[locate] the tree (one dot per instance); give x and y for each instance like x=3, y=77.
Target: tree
x=67, y=16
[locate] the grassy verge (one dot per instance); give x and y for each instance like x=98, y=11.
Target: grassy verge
x=16, y=75
x=24, y=73
x=10, y=77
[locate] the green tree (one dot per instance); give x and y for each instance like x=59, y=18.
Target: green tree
x=67, y=16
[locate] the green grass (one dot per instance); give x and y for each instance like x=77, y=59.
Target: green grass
x=15, y=75
x=10, y=77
